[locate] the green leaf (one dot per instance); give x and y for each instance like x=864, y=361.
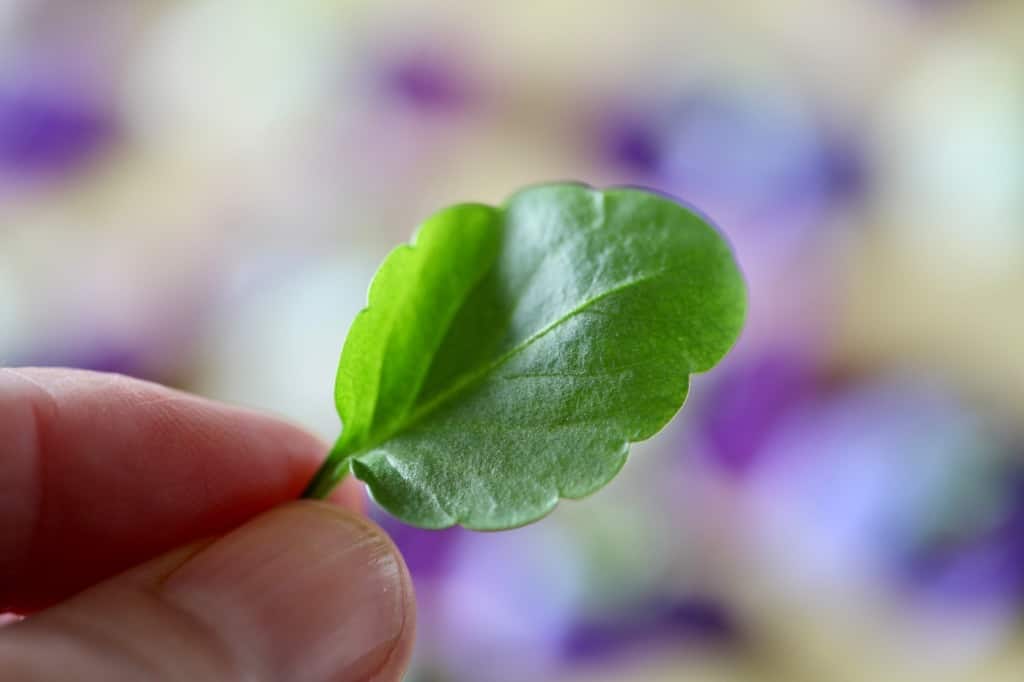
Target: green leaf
x=509, y=356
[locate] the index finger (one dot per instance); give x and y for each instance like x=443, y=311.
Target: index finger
x=100, y=472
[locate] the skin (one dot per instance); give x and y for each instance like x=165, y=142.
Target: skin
x=154, y=535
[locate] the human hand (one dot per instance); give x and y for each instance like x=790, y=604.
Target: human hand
x=182, y=501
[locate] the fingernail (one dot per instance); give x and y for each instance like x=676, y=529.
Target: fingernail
x=307, y=591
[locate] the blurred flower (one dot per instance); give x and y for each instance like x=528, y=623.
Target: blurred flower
x=426, y=81
x=665, y=620
x=428, y=553
x=632, y=143
x=748, y=400
x=507, y=604
x=116, y=355
x=156, y=347
x=50, y=125
x=982, y=563
x=750, y=156
x=844, y=168
x=854, y=483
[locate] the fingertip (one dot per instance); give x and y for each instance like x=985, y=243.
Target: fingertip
x=309, y=589
x=350, y=495
x=306, y=591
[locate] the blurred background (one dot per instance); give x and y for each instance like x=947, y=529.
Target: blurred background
x=198, y=193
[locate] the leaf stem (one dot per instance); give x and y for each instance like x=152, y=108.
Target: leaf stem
x=332, y=472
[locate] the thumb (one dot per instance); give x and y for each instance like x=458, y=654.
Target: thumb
x=307, y=591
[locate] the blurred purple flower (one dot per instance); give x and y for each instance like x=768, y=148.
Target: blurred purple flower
x=844, y=169
x=984, y=564
x=147, y=358
x=111, y=356
x=871, y=482
x=428, y=553
x=632, y=143
x=427, y=81
x=741, y=155
x=750, y=398
x=663, y=621
x=114, y=321
x=507, y=604
x=49, y=127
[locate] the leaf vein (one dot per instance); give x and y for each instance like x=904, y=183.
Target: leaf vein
x=471, y=379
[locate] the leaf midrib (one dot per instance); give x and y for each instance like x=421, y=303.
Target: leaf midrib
x=472, y=378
